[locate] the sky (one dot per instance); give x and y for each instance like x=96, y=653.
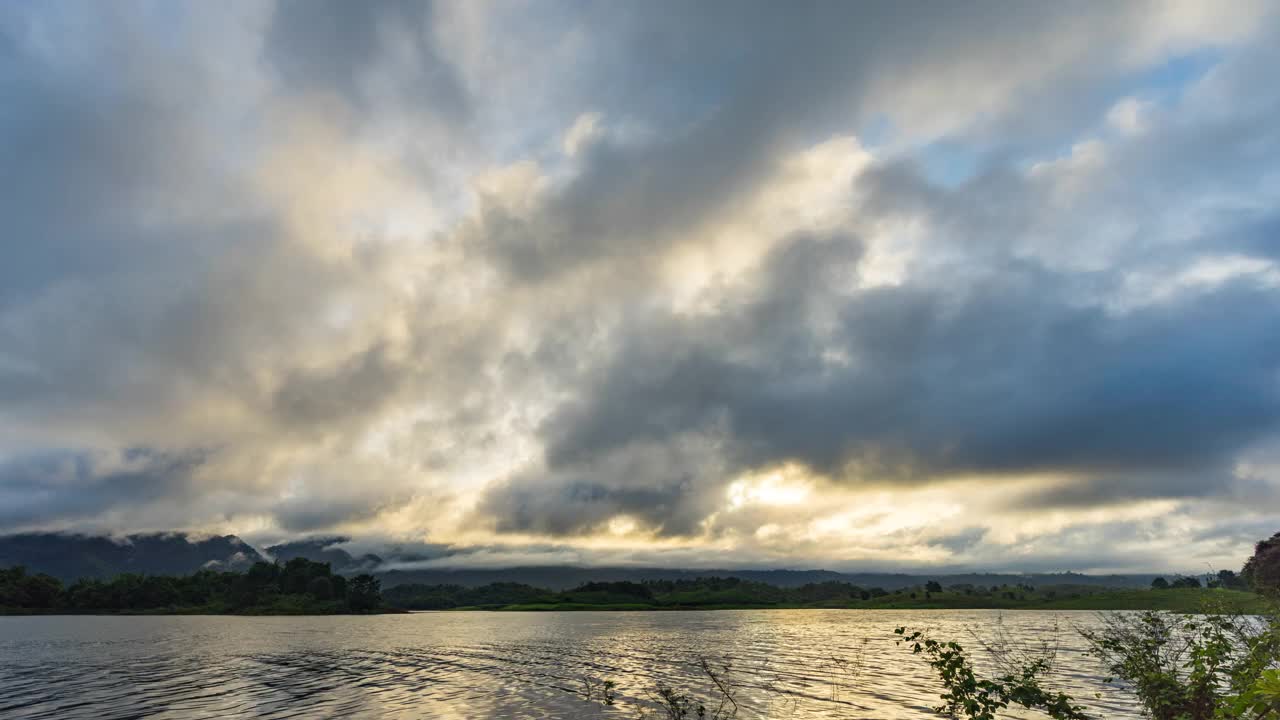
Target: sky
x=987, y=285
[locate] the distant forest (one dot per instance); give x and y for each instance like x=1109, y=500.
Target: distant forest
x=724, y=593
x=298, y=586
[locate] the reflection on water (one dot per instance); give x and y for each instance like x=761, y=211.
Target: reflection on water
x=800, y=664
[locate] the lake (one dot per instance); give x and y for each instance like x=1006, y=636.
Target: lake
x=801, y=664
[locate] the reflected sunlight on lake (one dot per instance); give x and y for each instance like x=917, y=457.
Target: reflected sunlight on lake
x=802, y=664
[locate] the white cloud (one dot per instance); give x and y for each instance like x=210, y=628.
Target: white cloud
x=1128, y=116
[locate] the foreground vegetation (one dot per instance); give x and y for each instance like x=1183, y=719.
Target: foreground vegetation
x=1218, y=664
x=298, y=587
x=1212, y=666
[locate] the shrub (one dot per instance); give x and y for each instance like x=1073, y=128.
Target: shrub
x=1189, y=667
x=969, y=696
x=1215, y=666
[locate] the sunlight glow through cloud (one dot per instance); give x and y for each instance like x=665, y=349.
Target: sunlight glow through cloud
x=842, y=284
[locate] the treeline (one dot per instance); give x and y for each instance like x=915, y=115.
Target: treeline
x=719, y=592
x=298, y=586
x=700, y=592
x=1223, y=579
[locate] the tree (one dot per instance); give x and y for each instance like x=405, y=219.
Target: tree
x=320, y=588
x=1159, y=584
x=1262, y=571
x=933, y=586
x=364, y=592
x=18, y=589
x=1185, y=582
x=1229, y=579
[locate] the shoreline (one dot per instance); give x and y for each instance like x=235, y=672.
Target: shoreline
x=1178, y=601
x=1185, y=601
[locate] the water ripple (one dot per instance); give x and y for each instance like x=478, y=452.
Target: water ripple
x=803, y=664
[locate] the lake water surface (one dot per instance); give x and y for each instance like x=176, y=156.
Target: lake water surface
x=801, y=664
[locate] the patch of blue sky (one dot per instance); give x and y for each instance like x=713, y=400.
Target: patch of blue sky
x=950, y=162
x=1161, y=85
x=947, y=162
x=1167, y=81
x=876, y=132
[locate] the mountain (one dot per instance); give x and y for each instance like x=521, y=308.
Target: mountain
x=322, y=550
x=560, y=577
x=70, y=557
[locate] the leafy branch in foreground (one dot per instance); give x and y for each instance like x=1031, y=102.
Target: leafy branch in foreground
x=975, y=698
x=1213, y=666
x=1216, y=665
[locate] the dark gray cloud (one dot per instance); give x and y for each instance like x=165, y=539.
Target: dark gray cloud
x=1010, y=376
x=305, y=515
x=79, y=158
x=335, y=47
x=660, y=485
x=1208, y=478
x=72, y=488
x=732, y=87
x=361, y=385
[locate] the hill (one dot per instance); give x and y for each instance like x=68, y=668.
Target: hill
x=70, y=557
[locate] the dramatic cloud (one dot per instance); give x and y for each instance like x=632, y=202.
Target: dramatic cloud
x=839, y=284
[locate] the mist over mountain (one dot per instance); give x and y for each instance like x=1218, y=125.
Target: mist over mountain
x=70, y=557
x=73, y=556
x=324, y=549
